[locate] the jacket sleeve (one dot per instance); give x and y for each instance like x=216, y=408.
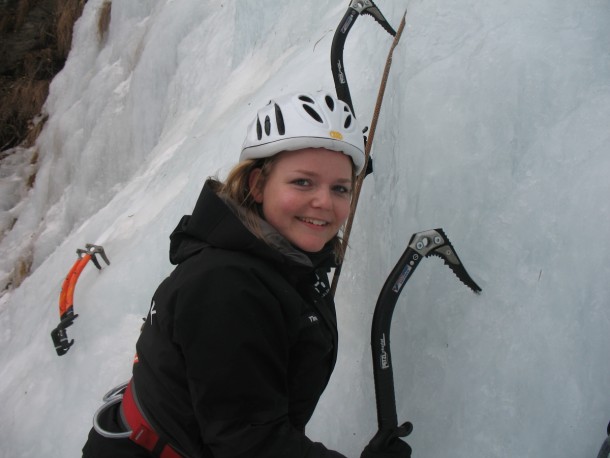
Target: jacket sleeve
x=235, y=337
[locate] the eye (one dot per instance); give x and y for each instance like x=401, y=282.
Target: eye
x=301, y=182
x=343, y=190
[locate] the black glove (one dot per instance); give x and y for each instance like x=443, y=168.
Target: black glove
x=396, y=449
x=387, y=443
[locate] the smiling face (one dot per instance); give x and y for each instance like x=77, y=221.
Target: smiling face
x=306, y=196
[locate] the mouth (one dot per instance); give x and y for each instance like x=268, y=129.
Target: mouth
x=313, y=221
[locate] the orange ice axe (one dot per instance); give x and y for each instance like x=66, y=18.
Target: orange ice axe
x=66, y=297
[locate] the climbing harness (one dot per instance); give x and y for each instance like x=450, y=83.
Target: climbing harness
x=136, y=427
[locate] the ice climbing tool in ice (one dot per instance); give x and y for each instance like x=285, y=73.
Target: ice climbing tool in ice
x=356, y=8
x=66, y=297
x=422, y=245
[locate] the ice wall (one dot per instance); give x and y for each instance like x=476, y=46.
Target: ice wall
x=494, y=127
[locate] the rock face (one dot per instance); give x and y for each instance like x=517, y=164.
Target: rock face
x=35, y=39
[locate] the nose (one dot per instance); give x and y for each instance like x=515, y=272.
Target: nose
x=322, y=199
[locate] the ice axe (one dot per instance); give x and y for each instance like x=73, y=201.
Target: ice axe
x=358, y=8
x=66, y=297
x=422, y=244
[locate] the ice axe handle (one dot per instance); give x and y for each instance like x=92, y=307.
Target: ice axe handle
x=60, y=337
x=385, y=437
x=387, y=443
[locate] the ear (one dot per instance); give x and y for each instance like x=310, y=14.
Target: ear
x=254, y=184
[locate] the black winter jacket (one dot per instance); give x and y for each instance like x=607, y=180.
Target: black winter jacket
x=240, y=340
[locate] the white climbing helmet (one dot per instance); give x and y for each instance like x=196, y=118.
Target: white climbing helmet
x=304, y=120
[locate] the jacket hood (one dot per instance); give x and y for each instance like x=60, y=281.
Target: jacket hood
x=216, y=222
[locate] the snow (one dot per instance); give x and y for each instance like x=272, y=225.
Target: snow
x=494, y=127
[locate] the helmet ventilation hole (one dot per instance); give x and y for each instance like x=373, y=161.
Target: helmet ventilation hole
x=330, y=103
x=313, y=113
x=348, y=122
x=267, y=125
x=259, y=129
x=304, y=98
x=279, y=118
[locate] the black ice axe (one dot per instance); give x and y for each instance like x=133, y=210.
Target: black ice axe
x=359, y=8
x=422, y=244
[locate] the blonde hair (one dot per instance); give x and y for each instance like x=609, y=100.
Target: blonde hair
x=236, y=187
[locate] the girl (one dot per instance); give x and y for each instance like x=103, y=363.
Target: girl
x=241, y=338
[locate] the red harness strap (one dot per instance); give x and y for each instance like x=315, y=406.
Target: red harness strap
x=141, y=432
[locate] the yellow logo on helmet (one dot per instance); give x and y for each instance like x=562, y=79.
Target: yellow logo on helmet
x=336, y=135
